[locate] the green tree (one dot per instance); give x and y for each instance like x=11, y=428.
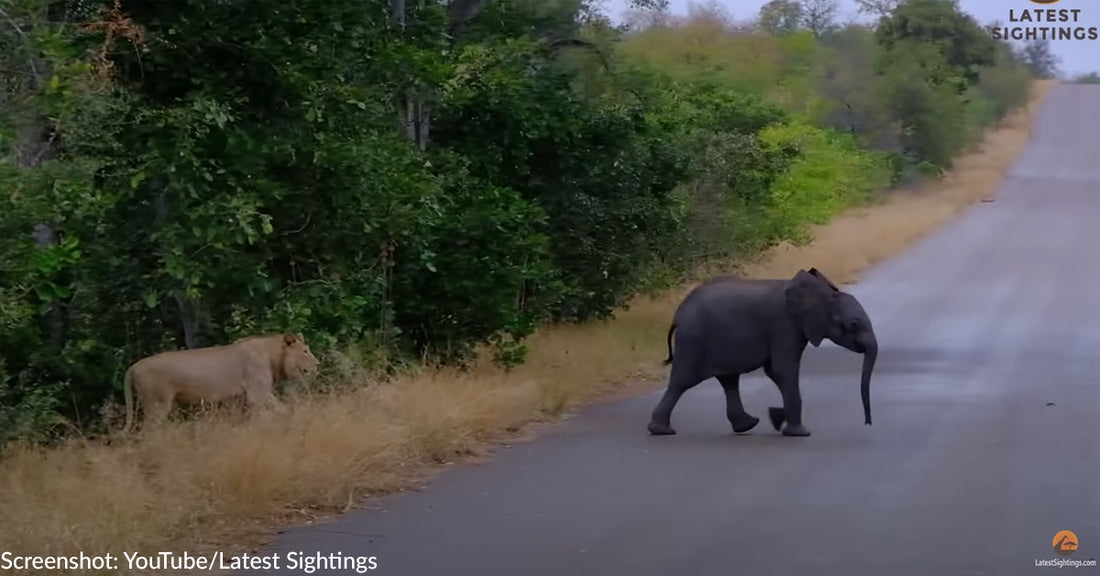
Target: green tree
x=878, y=8
x=780, y=16
x=1089, y=78
x=1039, y=58
x=950, y=45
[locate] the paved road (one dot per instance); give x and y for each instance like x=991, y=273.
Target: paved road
x=968, y=469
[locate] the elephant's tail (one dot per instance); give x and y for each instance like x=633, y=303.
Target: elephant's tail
x=668, y=360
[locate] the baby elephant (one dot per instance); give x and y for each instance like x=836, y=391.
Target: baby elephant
x=729, y=326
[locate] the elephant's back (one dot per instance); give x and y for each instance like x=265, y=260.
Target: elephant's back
x=731, y=300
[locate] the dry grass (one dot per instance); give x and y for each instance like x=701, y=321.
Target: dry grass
x=221, y=482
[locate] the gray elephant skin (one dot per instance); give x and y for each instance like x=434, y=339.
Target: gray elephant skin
x=730, y=326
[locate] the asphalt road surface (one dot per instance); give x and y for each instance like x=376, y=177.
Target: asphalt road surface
x=986, y=405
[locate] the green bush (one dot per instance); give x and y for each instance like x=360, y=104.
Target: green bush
x=472, y=274
x=831, y=174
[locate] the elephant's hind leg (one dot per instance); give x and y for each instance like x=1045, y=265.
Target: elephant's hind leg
x=660, y=421
x=680, y=381
x=740, y=420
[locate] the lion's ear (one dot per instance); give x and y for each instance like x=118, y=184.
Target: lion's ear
x=288, y=339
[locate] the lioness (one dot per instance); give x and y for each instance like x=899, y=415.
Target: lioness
x=250, y=365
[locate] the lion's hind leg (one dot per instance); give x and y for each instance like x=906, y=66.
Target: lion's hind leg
x=156, y=411
x=155, y=402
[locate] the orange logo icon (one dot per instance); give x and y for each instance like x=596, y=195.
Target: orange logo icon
x=1065, y=543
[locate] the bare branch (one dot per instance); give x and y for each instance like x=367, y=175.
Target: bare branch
x=579, y=43
x=30, y=60
x=819, y=16
x=877, y=7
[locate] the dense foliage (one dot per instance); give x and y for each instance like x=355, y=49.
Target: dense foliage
x=1090, y=78
x=179, y=174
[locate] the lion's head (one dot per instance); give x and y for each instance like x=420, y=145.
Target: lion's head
x=297, y=360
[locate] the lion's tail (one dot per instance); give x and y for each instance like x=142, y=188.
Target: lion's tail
x=127, y=392
x=668, y=360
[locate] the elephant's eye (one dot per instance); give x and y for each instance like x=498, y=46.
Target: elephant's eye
x=854, y=325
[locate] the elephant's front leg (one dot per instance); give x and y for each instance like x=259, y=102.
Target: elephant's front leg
x=785, y=373
x=775, y=413
x=740, y=420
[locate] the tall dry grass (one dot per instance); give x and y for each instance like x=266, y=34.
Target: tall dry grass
x=225, y=482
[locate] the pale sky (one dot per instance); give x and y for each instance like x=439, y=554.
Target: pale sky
x=1077, y=56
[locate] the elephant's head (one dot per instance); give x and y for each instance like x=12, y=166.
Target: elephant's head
x=822, y=311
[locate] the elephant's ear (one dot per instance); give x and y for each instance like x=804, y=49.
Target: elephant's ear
x=820, y=275
x=809, y=302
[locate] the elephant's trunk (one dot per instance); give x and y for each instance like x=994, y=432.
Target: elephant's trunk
x=870, y=354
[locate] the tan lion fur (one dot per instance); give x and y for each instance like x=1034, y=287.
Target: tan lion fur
x=250, y=366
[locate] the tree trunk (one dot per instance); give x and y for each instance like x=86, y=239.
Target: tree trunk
x=34, y=144
x=194, y=320
x=460, y=12
x=415, y=117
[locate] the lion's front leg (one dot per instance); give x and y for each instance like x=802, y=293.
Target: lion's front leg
x=262, y=396
x=271, y=402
